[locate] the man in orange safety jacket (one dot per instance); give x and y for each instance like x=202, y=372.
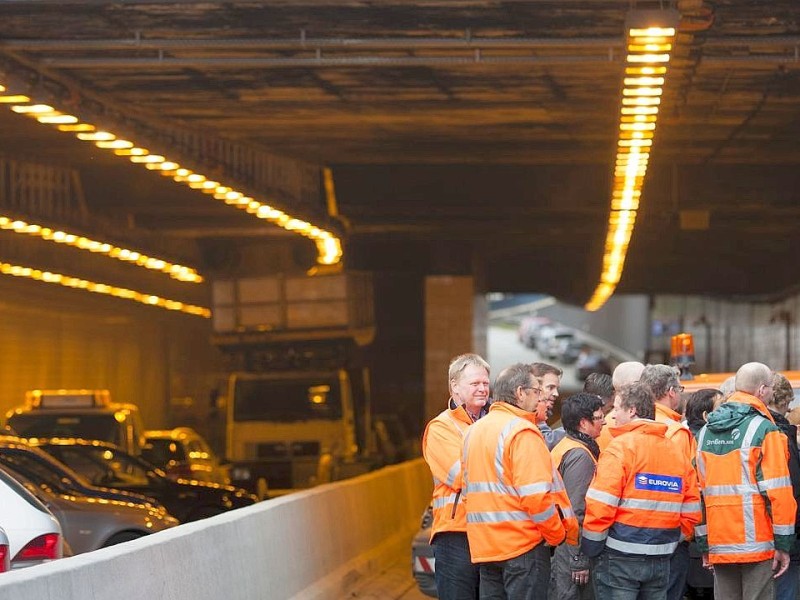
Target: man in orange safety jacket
x=455, y=575
x=664, y=382
x=643, y=494
x=514, y=497
x=742, y=461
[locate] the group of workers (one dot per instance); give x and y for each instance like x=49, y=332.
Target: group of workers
x=607, y=506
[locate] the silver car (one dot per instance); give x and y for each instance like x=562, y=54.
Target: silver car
x=92, y=523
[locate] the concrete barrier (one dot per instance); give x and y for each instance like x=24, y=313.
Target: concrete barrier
x=313, y=544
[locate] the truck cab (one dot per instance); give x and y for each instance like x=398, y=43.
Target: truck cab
x=291, y=430
x=79, y=413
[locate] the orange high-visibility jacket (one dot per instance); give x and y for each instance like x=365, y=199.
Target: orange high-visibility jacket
x=682, y=437
x=508, y=479
x=643, y=493
x=742, y=461
x=441, y=448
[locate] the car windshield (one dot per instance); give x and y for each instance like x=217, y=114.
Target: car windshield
x=102, y=466
x=41, y=470
x=91, y=427
x=278, y=400
x=162, y=451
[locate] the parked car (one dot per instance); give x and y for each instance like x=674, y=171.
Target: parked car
x=553, y=342
x=183, y=453
x=91, y=523
x=34, y=534
x=423, y=565
x=5, y=558
x=529, y=328
x=108, y=465
x=47, y=472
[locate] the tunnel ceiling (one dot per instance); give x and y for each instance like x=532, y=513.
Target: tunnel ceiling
x=461, y=135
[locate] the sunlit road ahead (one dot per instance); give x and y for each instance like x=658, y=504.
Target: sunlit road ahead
x=504, y=349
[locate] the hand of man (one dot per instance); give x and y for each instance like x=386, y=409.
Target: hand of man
x=780, y=563
x=706, y=563
x=580, y=577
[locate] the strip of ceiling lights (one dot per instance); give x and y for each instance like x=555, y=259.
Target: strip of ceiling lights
x=649, y=47
x=329, y=248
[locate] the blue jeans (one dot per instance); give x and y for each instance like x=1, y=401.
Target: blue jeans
x=678, y=571
x=456, y=577
x=617, y=576
x=786, y=586
x=517, y=578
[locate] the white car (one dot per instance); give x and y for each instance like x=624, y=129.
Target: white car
x=34, y=534
x=5, y=560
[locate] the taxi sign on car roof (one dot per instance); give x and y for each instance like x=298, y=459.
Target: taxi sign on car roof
x=67, y=398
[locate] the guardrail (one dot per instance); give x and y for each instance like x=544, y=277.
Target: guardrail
x=313, y=544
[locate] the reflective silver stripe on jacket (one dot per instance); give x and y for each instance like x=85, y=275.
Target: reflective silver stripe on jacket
x=634, y=548
x=494, y=487
x=745, y=548
x=774, y=483
x=690, y=507
x=783, y=529
x=499, y=516
x=603, y=497
x=701, y=530
x=453, y=473
x=654, y=505
x=443, y=501
x=595, y=536
x=738, y=489
x=502, y=516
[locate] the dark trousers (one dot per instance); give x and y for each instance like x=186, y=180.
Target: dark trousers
x=618, y=576
x=517, y=578
x=456, y=577
x=678, y=571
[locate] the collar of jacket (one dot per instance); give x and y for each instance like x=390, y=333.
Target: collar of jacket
x=514, y=410
x=666, y=411
x=459, y=413
x=750, y=400
x=648, y=426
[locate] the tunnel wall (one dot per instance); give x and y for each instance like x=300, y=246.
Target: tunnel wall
x=313, y=544
x=728, y=333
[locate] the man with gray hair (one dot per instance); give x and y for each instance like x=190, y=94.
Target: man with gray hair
x=728, y=387
x=742, y=463
x=664, y=383
x=468, y=378
x=512, y=491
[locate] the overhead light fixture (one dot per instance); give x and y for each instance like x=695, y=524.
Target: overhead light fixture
x=329, y=247
x=103, y=288
x=650, y=40
x=176, y=271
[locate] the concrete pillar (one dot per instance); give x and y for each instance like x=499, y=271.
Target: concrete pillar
x=455, y=323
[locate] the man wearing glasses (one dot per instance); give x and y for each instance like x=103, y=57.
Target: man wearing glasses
x=664, y=382
x=742, y=460
x=512, y=491
x=575, y=457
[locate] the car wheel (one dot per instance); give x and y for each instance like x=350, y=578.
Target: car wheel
x=204, y=512
x=125, y=536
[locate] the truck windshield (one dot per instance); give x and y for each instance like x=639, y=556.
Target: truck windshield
x=91, y=427
x=284, y=400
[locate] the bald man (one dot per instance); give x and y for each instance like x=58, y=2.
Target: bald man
x=626, y=373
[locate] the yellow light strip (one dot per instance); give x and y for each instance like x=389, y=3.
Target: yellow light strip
x=103, y=288
x=179, y=272
x=329, y=247
x=648, y=53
